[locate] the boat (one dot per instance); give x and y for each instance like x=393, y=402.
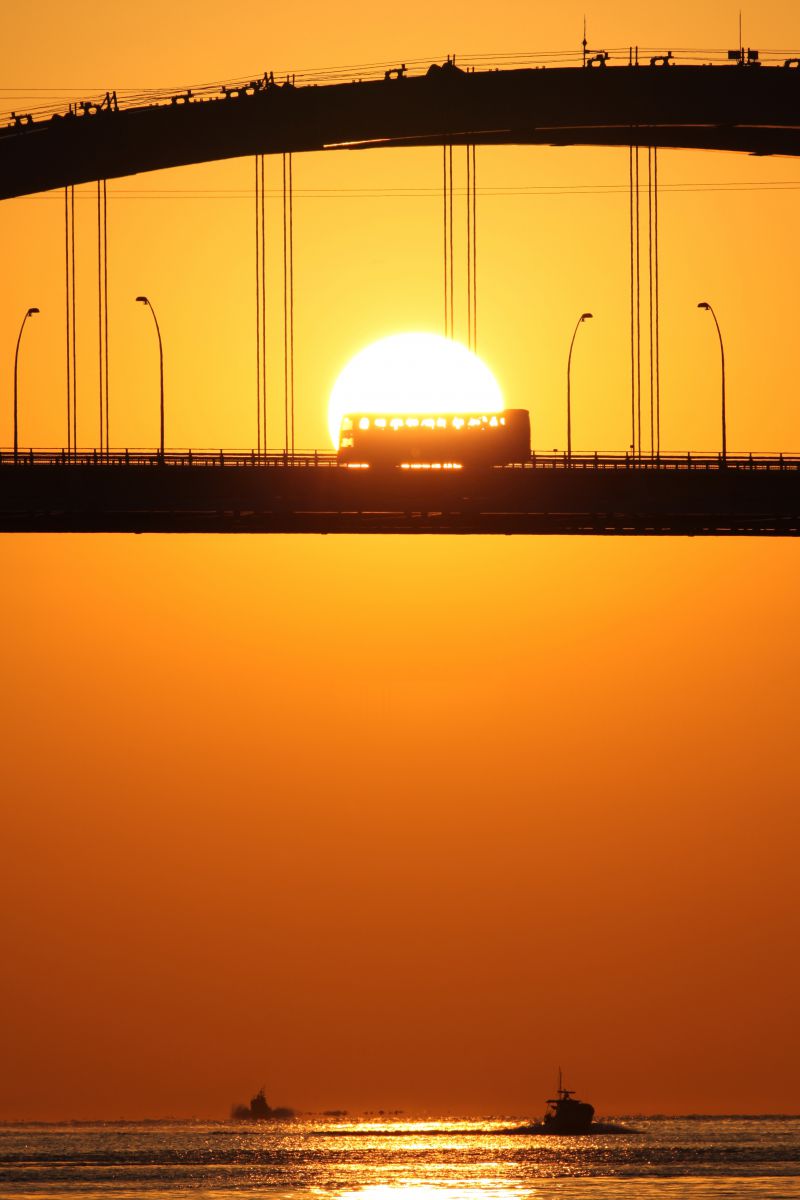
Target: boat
x=566, y=1114
x=259, y=1110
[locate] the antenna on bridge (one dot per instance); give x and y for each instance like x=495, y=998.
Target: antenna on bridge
x=741, y=43
x=584, y=42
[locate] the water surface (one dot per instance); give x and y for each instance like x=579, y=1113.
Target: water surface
x=669, y=1158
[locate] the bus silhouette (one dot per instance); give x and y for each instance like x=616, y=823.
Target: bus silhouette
x=435, y=439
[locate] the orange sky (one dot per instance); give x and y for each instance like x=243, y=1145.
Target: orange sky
x=397, y=823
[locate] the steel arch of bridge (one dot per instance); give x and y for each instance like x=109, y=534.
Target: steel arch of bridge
x=731, y=107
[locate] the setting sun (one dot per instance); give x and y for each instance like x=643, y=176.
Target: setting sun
x=413, y=372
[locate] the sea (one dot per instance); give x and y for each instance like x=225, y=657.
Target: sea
x=706, y=1158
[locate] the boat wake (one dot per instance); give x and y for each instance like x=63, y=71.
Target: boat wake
x=541, y=1130
x=533, y=1130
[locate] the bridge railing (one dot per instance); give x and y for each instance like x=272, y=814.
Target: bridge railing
x=392, y=72
x=172, y=458
x=687, y=461
x=327, y=460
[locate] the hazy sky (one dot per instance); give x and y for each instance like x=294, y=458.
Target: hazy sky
x=397, y=823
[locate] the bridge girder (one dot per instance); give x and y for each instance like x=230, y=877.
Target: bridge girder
x=754, y=111
x=298, y=495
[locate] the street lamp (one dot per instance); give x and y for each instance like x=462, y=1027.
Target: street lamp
x=583, y=317
x=144, y=300
x=704, y=304
x=30, y=313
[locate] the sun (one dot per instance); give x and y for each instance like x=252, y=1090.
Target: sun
x=413, y=372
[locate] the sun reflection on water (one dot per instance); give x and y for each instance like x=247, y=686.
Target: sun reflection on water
x=392, y=1158
x=487, y=1187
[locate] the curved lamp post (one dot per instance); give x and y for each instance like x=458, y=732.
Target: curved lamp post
x=704, y=304
x=583, y=317
x=144, y=300
x=30, y=313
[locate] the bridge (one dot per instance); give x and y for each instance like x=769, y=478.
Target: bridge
x=750, y=106
x=738, y=102
x=218, y=491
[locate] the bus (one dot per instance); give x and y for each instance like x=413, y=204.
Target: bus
x=435, y=439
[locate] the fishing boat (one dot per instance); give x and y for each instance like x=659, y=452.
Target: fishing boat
x=565, y=1114
x=259, y=1110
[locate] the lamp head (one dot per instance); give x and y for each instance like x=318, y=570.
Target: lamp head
x=142, y=300
x=31, y=311
x=704, y=305
x=586, y=316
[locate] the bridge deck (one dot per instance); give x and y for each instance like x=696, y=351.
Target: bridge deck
x=238, y=492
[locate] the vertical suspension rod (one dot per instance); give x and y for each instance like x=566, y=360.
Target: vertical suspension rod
x=258, y=310
x=68, y=321
x=73, y=302
x=291, y=295
x=263, y=314
x=285, y=318
x=474, y=250
x=633, y=302
x=658, y=332
x=445, y=243
x=288, y=304
x=100, y=311
x=468, y=149
x=650, y=280
x=450, y=207
x=638, y=305
x=105, y=298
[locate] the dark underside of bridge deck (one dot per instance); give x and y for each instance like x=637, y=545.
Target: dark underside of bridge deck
x=721, y=108
x=249, y=497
